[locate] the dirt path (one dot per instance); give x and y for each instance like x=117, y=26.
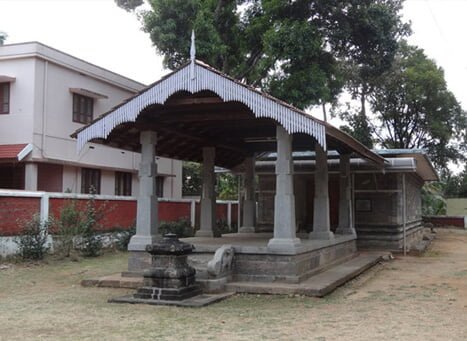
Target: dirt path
x=411, y=298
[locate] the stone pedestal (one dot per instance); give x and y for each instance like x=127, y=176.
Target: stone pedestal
x=170, y=277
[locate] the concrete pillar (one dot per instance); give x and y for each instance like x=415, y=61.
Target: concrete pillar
x=208, y=195
x=345, y=197
x=147, y=221
x=321, y=218
x=249, y=204
x=284, y=202
x=30, y=177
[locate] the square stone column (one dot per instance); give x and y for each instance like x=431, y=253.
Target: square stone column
x=321, y=218
x=208, y=195
x=147, y=220
x=284, y=202
x=345, y=197
x=249, y=204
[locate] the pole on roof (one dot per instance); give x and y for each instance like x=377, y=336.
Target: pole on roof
x=192, y=55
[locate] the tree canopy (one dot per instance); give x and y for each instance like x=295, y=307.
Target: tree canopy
x=414, y=109
x=3, y=37
x=295, y=50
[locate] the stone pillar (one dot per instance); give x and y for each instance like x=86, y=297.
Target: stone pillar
x=30, y=177
x=208, y=195
x=284, y=202
x=345, y=197
x=147, y=222
x=249, y=204
x=321, y=218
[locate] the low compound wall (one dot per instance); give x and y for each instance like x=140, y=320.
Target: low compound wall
x=19, y=206
x=447, y=221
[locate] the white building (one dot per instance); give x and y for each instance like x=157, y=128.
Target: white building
x=45, y=95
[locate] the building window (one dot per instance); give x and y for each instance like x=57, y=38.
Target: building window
x=90, y=181
x=160, y=186
x=82, y=108
x=123, y=183
x=4, y=98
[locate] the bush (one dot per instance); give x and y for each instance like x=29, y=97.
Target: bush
x=33, y=239
x=223, y=227
x=67, y=227
x=77, y=228
x=123, y=238
x=90, y=244
x=182, y=228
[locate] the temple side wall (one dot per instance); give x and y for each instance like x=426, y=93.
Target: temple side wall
x=378, y=207
x=379, y=211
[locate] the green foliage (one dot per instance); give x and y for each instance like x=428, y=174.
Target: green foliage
x=3, y=37
x=293, y=49
x=192, y=181
x=182, y=228
x=78, y=227
x=414, y=109
x=90, y=244
x=33, y=238
x=227, y=186
x=223, y=227
x=123, y=238
x=358, y=127
x=226, y=183
x=456, y=185
x=67, y=227
x=129, y=5
x=433, y=202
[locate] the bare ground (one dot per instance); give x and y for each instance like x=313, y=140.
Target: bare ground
x=411, y=298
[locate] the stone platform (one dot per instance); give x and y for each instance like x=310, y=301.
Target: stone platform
x=195, y=302
x=254, y=261
x=257, y=269
x=318, y=285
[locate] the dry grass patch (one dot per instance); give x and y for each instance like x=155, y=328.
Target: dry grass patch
x=412, y=298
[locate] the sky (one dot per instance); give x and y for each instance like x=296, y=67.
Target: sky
x=101, y=33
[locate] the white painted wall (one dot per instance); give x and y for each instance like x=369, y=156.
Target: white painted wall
x=16, y=127
x=41, y=114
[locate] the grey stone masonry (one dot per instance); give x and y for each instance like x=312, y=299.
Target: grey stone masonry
x=345, y=197
x=147, y=223
x=208, y=195
x=249, y=204
x=321, y=218
x=284, y=201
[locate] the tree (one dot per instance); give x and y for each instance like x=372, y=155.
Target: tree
x=293, y=49
x=192, y=181
x=414, y=109
x=3, y=37
x=456, y=185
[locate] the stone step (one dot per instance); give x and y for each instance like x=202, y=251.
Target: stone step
x=318, y=285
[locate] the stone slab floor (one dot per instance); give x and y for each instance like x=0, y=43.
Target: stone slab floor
x=412, y=298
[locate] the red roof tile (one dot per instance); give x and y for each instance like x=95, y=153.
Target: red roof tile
x=11, y=151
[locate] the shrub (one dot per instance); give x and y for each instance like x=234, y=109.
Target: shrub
x=67, y=227
x=90, y=243
x=182, y=228
x=223, y=227
x=123, y=238
x=33, y=238
x=77, y=228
